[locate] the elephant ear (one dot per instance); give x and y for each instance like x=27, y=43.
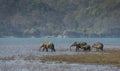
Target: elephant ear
x=49, y=43
x=82, y=43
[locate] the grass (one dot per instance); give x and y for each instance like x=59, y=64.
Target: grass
x=112, y=56
x=8, y=58
x=32, y=57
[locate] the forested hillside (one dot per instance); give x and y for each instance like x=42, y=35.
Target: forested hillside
x=69, y=18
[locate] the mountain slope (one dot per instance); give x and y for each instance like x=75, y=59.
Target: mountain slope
x=71, y=18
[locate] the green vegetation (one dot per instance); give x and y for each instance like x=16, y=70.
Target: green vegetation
x=79, y=18
x=112, y=56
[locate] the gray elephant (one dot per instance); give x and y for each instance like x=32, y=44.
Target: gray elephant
x=86, y=47
x=78, y=45
x=98, y=46
x=47, y=45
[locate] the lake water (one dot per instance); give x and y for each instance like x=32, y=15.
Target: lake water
x=31, y=45
x=22, y=47
x=59, y=42
x=56, y=40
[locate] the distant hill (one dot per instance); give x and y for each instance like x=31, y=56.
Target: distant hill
x=65, y=18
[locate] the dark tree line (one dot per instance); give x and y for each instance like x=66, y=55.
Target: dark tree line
x=38, y=18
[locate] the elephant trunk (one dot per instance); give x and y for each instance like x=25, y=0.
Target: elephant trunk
x=40, y=48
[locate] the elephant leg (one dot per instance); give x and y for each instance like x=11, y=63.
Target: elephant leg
x=85, y=49
x=53, y=49
x=77, y=48
x=101, y=49
x=89, y=48
x=50, y=47
x=97, y=49
x=46, y=49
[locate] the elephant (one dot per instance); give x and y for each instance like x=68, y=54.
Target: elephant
x=98, y=46
x=78, y=45
x=86, y=47
x=47, y=45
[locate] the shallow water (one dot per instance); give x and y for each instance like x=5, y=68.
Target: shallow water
x=21, y=65
x=26, y=49
x=22, y=47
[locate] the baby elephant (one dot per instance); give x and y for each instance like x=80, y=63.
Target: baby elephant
x=86, y=47
x=47, y=45
x=98, y=46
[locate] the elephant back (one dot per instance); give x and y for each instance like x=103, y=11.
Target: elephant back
x=85, y=46
x=97, y=45
x=82, y=43
x=47, y=44
x=75, y=43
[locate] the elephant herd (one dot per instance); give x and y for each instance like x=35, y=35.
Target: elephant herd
x=78, y=45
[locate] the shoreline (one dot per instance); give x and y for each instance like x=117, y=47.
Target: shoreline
x=111, y=58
